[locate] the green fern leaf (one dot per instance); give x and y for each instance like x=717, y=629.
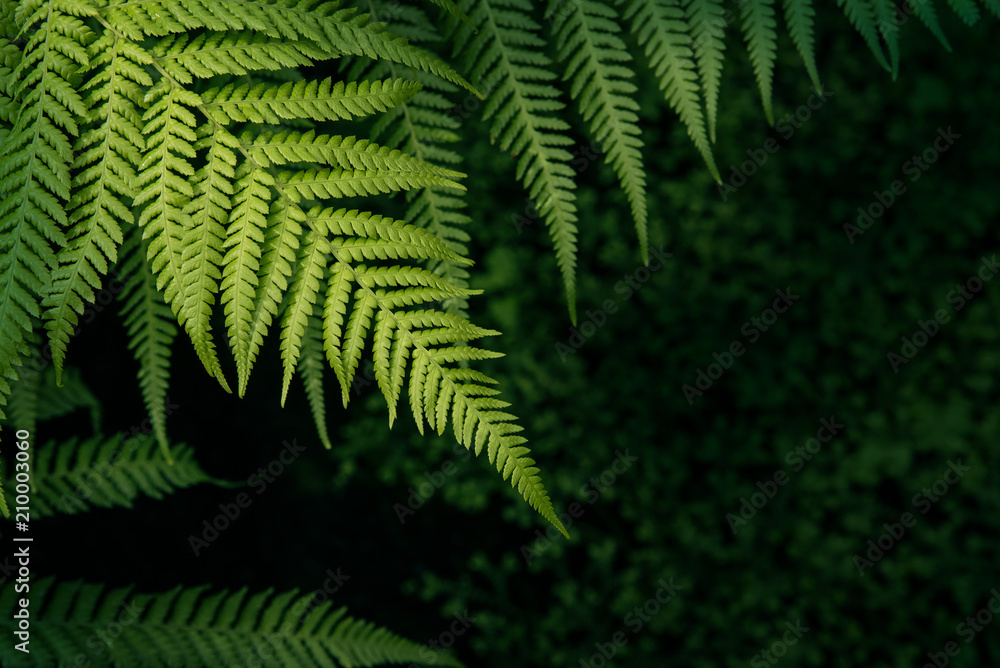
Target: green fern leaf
x=202, y=242
x=196, y=628
x=74, y=476
x=760, y=27
x=967, y=10
x=35, y=166
x=309, y=273
x=927, y=14
x=862, y=17
x=799, y=16
x=108, y=150
x=311, y=370
x=187, y=57
x=707, y=35
x=663, y=31
x=524, y=108
x=313, y=99
x=244, y=240
x=151, y=332
x=993, y=6
x=587, y=39
x=59, y=400
x=884, y=14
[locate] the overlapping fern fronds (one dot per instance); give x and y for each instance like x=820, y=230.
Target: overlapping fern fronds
x=140, y=121
x=196, y=627
x=104, y=472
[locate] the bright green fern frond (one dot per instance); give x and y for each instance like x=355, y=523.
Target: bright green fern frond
x=107, y=153
x=708, y=28
x=245, y=239
x=862, y=16
x=799, y=16
x=312, y=99
x=761, y=31
x=165, y=178
x=311, y=369
x=587, y=38
x=422, y=127
x=196, y=628
x=524, y=107
x=186, y=57
x=35, y=164
x=75, y=477
x=663, y=31
x=313, y=256
x=202, y=243
x=151, y=332
x=320, y=184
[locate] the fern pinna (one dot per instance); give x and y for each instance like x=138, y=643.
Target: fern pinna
x=78, y=624
x=138, y=120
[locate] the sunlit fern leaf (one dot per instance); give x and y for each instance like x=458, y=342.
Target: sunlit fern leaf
x=244, y=241
x=967, y=10
x=186, y=57
x=884, y=15
x=202, y=242
x=313, y=256
x=708, y=29
x=862, y=17
x=35, y=163
x=107, y=152
x=151, y=332
x=105, y=472
x=760, y=28
x=524, y=109
x=663, y=31
x=800, y=17
x=311, y=367
x=423, y=126
x=597, y=65
x=196, y=627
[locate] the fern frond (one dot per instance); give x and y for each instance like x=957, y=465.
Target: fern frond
x=453, y=9
x=799, y=17
x=587, y=38
x=311, y=370
x=308, y=275
x=364, y=301
x=993, y=6
x=59, y=400
x=151, y=332
x=884, y=11
x=202, y=243
x=862, y=16
x=967, y=10
x=927, y=14
x=240, y=277
x=663, y=31
x=708, y=28
x=523, y=106
x=197, y=628
x=35, y=165
x=761, y=31
x=421, y=127
x=186, y=57
x=107, y=153
x=75, y=476
x=320, y=100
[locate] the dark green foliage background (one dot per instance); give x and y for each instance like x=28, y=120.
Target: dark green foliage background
x=666, y=516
